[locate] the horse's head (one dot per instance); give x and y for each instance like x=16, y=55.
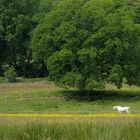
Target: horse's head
x=114, y=107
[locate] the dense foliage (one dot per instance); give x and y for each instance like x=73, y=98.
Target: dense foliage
x=81, y=44
x=17, y=20
x=88, y=43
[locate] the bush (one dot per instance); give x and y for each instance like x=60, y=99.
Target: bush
x=93, y=84
x=73, y=79
x=10, y=74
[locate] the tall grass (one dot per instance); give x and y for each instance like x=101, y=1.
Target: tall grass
x=73, y=130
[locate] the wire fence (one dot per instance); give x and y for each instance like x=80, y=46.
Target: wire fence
x=21, y=97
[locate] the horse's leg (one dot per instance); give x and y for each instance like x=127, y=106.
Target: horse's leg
x=128, y=111
x=119, y=112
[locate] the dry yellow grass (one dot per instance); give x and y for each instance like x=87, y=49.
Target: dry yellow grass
x=70, y=115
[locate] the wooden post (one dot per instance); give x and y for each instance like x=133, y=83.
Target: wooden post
x=35, y=95
x=21, y=97
x=6, y=99
x=90, y=113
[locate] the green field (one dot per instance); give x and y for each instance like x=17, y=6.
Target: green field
x=45, y=97
x=75, y=113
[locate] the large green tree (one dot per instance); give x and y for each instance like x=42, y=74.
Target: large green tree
x=90, y=42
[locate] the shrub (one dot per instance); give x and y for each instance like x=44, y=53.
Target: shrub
x=10, y=74
x=93, y=84
x=73, y=79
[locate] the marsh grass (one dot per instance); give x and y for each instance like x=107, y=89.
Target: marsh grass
x=116, y=129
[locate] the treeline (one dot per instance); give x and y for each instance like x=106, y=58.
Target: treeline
x=18, y=18
x=78, y=43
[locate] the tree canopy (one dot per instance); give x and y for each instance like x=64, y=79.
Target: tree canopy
x=90, y=42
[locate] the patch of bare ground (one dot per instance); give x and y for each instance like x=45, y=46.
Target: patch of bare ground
x=35, y=85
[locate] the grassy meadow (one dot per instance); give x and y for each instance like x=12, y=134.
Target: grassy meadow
x=42, y=97
x=45, y=97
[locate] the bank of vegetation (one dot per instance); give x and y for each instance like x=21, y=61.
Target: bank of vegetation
x=82, y=44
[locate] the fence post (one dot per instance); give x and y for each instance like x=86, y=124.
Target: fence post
x=21, y=97
x=6, y=99
x=35, y=95
x=89, y=112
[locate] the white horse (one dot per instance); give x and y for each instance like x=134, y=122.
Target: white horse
x=121, y=109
